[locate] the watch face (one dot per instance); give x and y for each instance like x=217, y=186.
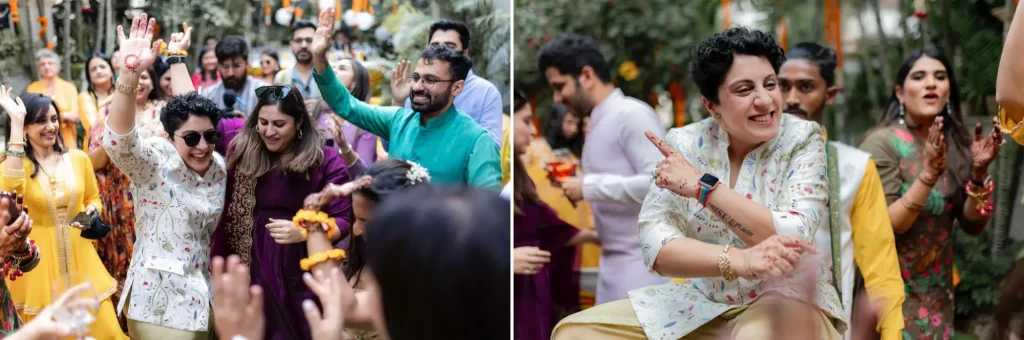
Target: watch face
x=708, y=180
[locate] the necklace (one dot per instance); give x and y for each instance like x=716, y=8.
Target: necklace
x=53, y=180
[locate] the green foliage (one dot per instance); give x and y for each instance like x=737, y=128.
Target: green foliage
x=657, y=35
x=980, y=273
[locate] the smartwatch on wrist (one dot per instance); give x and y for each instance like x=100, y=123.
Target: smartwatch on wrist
x=708, y=183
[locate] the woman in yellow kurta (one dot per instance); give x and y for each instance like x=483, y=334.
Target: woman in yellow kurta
x=63, y=93
x=57, y=184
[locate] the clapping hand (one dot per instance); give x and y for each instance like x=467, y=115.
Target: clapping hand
x=934, y=154
x=985, y=149
x=237, y=307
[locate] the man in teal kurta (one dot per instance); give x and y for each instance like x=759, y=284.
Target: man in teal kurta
x=449, y=143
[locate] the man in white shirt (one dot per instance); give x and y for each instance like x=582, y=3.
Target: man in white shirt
x=617, y=158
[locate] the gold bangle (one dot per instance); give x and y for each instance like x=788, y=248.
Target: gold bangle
x=126, y=90
x=177, y=53
x=15, y=143
x=724, y=265
x=910, y=205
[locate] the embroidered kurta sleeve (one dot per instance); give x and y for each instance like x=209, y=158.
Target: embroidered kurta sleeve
x=91, y=192
x=887, y=163
x=375, y=119
x=1010, y=127
x=137, y=158
x=663, y=215
x=484, y=166
x=14, y=179
x=875, y=253
x=643, y=157
x=802, y=206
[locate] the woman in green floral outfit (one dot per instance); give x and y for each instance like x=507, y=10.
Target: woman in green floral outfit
x=934, y=177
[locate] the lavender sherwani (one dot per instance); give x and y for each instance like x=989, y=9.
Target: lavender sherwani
x=617, y=164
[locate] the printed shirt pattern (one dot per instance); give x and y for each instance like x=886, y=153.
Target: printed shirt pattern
x=787, y=174
x=176, y=213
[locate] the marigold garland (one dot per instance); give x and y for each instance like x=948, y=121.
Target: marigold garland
x=334, y=254
x=304, y=218
x=14, y=12
x=43, y=21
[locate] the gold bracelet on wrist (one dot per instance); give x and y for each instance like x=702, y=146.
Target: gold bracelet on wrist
x=911, y=206
x=15, y=143
x=724, y=265
x=126, y=90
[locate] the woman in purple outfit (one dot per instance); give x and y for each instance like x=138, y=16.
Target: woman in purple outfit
x=276, y=160
x=544, y=259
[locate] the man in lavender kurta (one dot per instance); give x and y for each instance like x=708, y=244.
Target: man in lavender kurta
x=617, y=158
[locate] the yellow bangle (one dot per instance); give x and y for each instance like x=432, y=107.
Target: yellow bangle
x=15, y=143
x=334, y=254
x=305, y=218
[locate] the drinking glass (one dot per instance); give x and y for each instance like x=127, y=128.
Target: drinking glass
x=75, y=314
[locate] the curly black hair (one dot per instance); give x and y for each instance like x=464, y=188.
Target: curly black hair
x=712, y=58
x=569, y=53
x=233, y=46
x=179, y=108
x=824, y=57
x=458, y=63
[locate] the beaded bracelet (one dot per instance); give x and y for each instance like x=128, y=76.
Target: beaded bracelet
x=321, y=257
x=13, y=153
x=12, y=267
x=305, y=218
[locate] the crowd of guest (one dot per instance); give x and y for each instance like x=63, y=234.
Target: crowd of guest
x=198, y=204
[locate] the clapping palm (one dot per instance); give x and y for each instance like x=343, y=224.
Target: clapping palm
x=138, y=49
x=324, y=31
x=13, y=105
x=984, y=150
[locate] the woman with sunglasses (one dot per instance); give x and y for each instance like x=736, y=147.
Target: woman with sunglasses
x=274, y=162
x=178, y=184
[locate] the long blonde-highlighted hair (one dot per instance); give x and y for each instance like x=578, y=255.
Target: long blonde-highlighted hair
x=249, y=156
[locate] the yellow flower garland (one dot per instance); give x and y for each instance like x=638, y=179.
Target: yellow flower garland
x=305, y=218
x=321, y=257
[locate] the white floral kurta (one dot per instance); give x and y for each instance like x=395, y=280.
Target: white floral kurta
x=787, y=174
x=176, y=213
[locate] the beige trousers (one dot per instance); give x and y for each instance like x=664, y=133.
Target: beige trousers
x=617, y=320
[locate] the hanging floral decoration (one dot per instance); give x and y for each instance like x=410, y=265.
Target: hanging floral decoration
x=43, y=22
x=920, y=9
x=628, y=70
x=14, y=12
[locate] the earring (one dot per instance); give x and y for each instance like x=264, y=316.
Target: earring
x=949, y=107
x=903, y=112
x=300, y=134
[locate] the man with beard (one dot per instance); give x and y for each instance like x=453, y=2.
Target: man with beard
x=448, y=143
x=864, y=236
x=617, y=157
x=233, y=56
x=301, y=76
x=479, y=98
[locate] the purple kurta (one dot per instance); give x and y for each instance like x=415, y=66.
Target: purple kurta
x=273, y=266
x=544, y=298
x=363, y=142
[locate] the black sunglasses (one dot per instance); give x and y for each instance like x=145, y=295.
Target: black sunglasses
x=277, y=91
x=192, y=138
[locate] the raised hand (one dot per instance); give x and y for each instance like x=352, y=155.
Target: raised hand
x=675, y=173
x=401, y=85
x=181, y=41
x=138, y=51
x=984, y=149
x=774, y=257
x=324, y=32
x=237, y=307
x=336, y=296
x=934, y=154
x=13, y=105
x=333, y=191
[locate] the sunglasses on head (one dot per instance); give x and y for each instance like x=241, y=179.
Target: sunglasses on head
x=276, y=91
x=192, y=138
